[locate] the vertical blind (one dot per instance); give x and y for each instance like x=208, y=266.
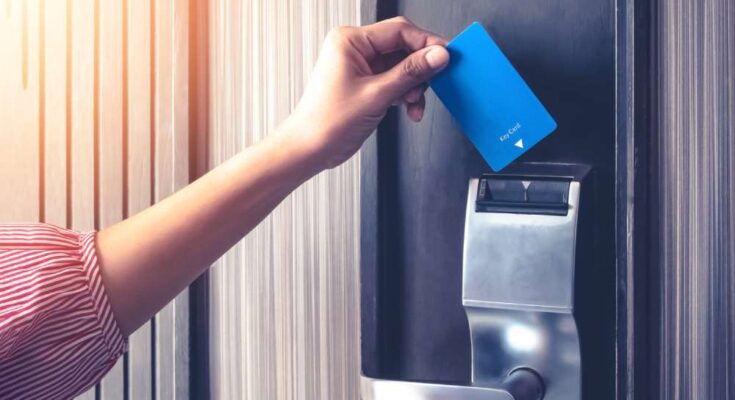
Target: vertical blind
x=284, y=309
x=94, y=111
x=695, y=178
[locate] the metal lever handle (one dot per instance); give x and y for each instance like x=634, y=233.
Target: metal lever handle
x=521, y=384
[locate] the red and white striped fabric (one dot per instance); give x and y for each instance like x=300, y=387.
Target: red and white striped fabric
x=58, y=335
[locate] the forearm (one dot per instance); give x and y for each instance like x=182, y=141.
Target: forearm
x=149, y=258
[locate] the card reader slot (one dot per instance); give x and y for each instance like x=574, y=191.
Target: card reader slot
x=523, y=195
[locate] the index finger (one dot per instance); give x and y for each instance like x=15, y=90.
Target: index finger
x=398, y=34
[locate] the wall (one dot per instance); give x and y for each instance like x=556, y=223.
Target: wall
x=694, y=203
x=284, y=302
x=95, y=127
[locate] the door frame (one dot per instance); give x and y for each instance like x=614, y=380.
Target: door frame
x=638, y=269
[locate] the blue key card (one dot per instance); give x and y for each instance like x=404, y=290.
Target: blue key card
x=486, y=95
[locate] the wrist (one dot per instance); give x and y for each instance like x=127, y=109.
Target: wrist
x=295, y=141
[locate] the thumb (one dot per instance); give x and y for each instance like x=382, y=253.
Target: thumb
x=415, y=69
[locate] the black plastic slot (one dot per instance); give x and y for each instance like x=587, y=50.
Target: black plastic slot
x=523, y=195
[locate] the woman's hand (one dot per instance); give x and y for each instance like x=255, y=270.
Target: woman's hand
x=361, y=71
x=149, y=258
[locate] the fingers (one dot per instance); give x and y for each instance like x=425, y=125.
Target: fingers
x=404, y=78
x=398, y=34
x=415, y=111
x=413, y=95
x=414, y=70
x=415, y=102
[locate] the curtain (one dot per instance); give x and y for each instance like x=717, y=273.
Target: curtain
x=94, y=106
x=283, y=302
x=694, y=186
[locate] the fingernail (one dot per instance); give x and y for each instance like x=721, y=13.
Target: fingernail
x=417, y=113
x=437, y=57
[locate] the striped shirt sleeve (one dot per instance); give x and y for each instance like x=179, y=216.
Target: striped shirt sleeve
x=58, y=336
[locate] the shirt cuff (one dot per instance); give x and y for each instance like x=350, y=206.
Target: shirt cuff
x=113, y=338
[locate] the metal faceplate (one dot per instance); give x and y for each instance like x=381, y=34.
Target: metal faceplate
x=518, y=287
x=517, y=291
x=519, y=261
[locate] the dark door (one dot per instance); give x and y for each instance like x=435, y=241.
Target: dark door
x=416, y=175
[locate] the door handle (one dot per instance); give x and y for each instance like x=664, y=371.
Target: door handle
x=521, y=384
x=518, y=293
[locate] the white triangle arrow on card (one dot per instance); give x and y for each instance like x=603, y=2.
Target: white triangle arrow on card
x=519, y=143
